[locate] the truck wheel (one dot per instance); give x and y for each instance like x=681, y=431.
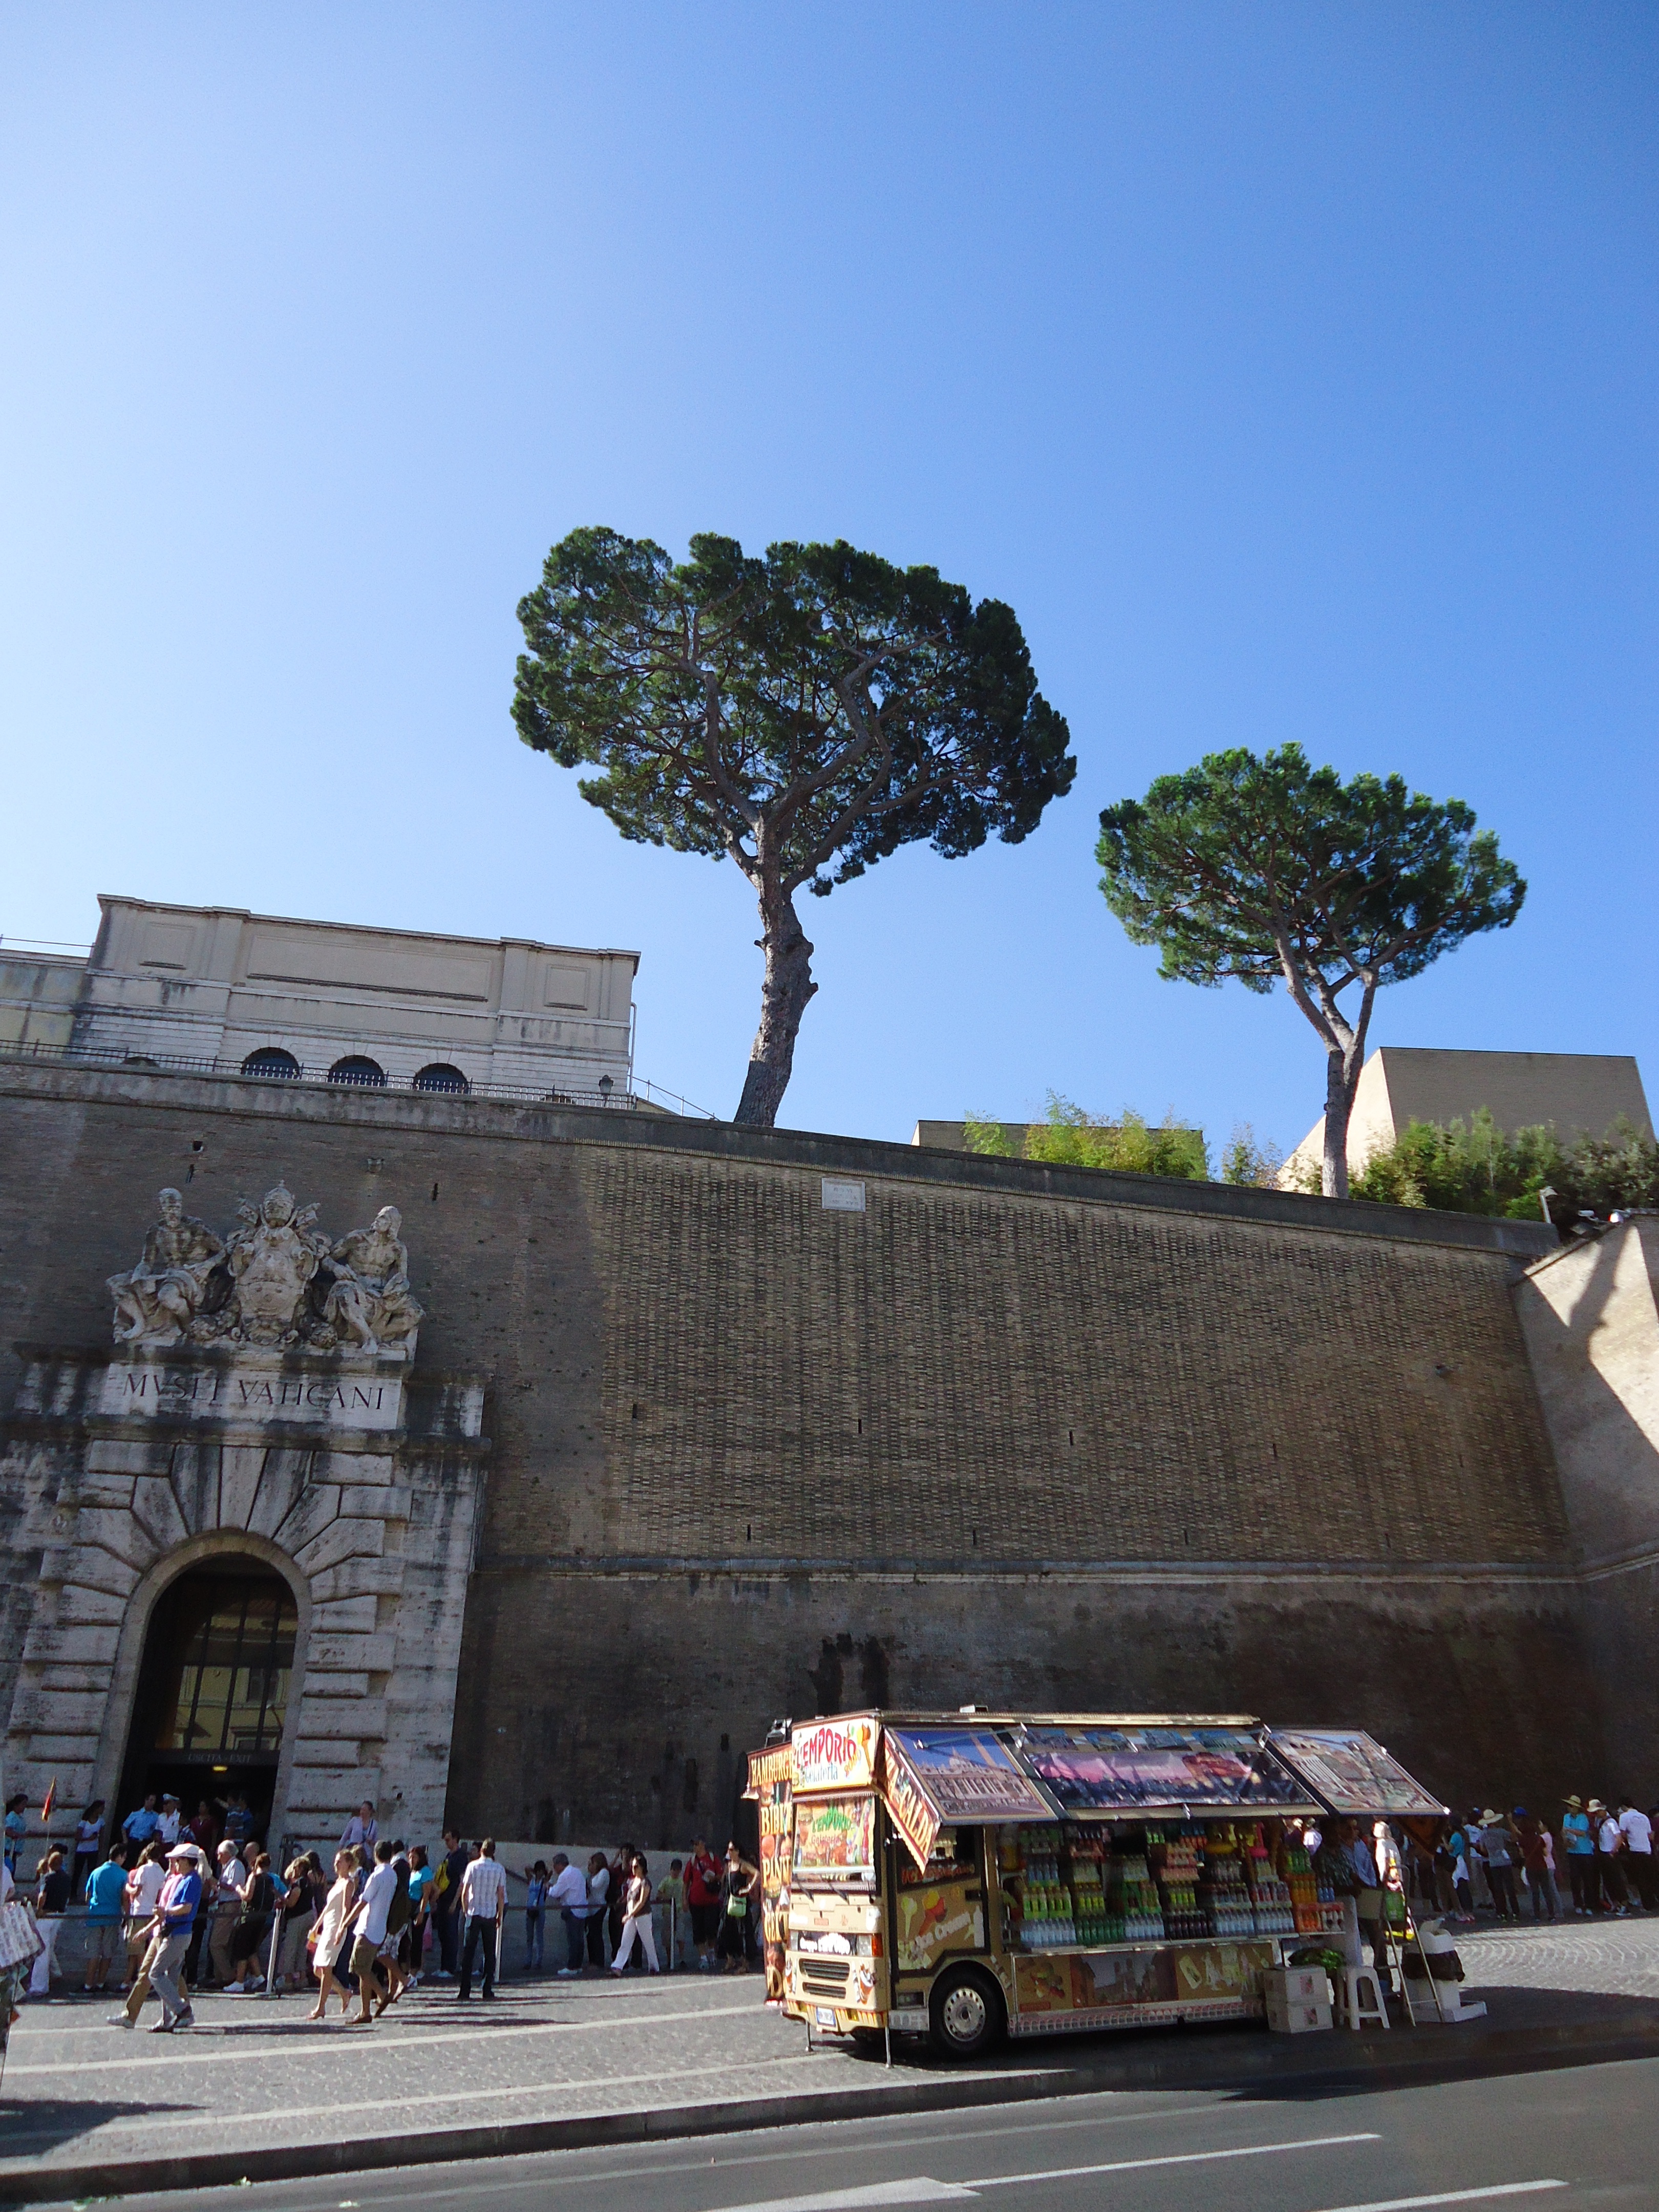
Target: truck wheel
x=965, y=2013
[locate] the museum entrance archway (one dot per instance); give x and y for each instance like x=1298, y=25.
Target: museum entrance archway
x=213, y=1692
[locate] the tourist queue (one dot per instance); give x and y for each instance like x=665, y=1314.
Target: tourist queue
x=180, y=1912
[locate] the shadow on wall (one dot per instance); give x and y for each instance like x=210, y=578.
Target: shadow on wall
x=1592, y=1331
x=831, y=1677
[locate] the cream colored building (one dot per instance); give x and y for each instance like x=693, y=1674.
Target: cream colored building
x=1581, y=1092
x=217, y=990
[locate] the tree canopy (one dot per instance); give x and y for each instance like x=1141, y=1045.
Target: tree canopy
x=1070, y=1136
x=1266, y=870
x=803, y=714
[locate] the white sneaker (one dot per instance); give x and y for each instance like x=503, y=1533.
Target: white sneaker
x=233, y=1989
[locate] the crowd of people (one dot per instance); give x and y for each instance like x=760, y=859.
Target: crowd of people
x=1490, y=1861
x=183, y=1904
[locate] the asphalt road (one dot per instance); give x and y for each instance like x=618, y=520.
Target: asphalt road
x=1580, y=2137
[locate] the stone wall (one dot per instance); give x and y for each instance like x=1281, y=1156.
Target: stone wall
x=1009, y=1430
x=372, y=1528
x=1591, y=1315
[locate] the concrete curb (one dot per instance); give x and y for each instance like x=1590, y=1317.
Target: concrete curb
x=1373, y=2061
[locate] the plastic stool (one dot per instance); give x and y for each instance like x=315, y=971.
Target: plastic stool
x=1353, y=2008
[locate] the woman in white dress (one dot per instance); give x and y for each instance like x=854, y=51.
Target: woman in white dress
x=332, y=1924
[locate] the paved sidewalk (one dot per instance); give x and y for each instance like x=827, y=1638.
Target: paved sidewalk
x=86, y=2103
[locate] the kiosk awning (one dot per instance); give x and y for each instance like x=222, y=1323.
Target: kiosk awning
x=1093, y=1771
x=957, y=1776
x=1350, y=1772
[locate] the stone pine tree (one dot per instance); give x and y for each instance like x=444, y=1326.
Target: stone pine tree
x=1268, y=870
x=803, y=714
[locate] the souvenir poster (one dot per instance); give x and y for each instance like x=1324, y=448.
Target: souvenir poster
x=1354, y=1774
x=770, y=1775
x=835, y=1839
x=1114, y=1770
x=835, y=1754
x=1114, y=1978
x=969, y=1775
x=933, y=1922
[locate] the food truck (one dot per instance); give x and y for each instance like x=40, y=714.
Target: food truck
x=972, y=1874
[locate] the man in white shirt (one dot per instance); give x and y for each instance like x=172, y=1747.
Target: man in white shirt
x=1637, y=1831
x=568, y=1897
x=483, y=1908
x=170, y=1823
x=226, y=1895
x=369, y=1914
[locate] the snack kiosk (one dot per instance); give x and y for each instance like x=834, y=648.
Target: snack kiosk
x=971, y=1874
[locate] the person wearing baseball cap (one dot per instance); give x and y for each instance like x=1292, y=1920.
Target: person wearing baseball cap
x=169, y=1934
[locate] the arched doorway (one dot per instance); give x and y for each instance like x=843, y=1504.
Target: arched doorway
x=213, y=1690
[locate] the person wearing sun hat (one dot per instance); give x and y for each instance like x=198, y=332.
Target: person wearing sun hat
x=1497, y=1844
x=1578, y=1839
x=169, y=1940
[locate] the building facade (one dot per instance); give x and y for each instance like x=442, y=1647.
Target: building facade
x=1582, y=1093
x=218, y=991
x=700, y=1426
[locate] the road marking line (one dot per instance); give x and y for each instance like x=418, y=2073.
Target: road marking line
x=920, y=2190
x=1179, y=2158
x=1451, y=2197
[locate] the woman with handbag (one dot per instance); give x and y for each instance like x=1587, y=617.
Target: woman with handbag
x=738, y=1886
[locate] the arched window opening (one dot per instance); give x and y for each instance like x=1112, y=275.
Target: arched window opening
x=272, y=1062
x=360, y=1073
x=441, y=1076
x=213, y=1692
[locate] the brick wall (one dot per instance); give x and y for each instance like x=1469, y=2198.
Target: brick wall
x=1012, y=1428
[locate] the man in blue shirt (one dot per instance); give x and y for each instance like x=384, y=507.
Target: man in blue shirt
x=169, y=1939
x=139, y=1827
x=106, y=1895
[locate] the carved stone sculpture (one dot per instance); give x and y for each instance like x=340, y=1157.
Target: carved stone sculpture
x=275, y=1283
x=272, y=1259
x=370, y=1305
x=158, y=1300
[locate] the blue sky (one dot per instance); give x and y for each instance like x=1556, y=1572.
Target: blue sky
x=1289, y=370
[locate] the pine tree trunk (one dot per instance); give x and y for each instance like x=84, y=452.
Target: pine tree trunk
x=785, y=989
x=1342, y=1081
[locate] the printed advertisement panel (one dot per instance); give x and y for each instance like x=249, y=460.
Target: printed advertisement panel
x=972, y=1777
x=769, y=1773
x=835, y=1754
x=1110, y=1981
x=932, y=1922
x=914, y=1813
x=835, y=1839
x=1353, y=1773
x=1112, y=1769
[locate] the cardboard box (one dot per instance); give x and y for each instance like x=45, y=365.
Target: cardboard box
x=1298, y=1985
x=1297, y=2019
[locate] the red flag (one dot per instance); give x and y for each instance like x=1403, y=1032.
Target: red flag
x=52, y=1799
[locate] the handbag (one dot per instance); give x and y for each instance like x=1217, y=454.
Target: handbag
x=20, y=1939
